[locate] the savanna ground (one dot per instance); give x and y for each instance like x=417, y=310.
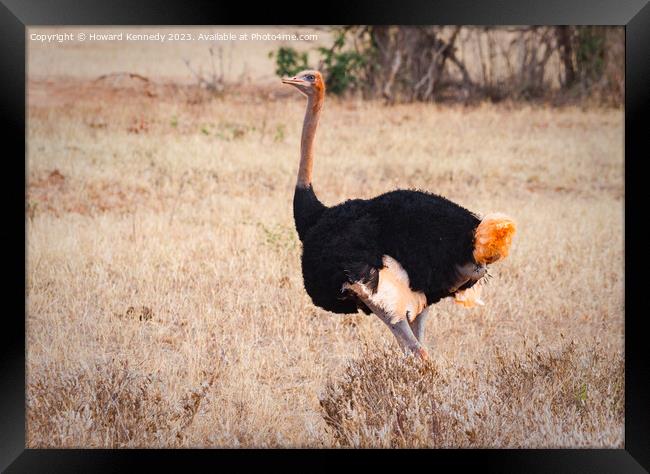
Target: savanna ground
x=165, y=305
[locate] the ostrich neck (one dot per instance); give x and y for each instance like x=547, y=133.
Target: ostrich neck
x=309, y=126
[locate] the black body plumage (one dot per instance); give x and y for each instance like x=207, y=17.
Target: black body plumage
x=427, y=234
x=306, y=209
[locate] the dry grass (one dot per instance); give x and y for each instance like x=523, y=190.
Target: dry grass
x=532, y=400
x=165, y=301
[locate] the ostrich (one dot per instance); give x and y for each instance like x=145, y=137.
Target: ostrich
x=394, y=255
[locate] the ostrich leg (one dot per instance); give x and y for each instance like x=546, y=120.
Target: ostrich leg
x=397, y=324
x=417, y=325
x=402, y=332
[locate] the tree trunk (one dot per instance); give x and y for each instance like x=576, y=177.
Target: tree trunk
x=566, y=54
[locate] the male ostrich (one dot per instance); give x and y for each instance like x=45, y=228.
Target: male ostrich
x=393, y=255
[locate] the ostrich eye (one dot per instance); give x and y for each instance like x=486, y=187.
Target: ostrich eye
x=310, y=77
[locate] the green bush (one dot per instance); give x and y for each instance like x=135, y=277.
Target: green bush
x=590, y=53
x=343, y=69
x=289, y=62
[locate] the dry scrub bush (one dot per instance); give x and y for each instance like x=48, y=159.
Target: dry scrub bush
x=534, y=400
x=108, y=405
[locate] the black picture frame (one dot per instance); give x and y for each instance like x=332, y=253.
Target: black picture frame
x=16, y=15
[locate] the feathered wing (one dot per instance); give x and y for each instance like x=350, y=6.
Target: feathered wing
x=492, y=241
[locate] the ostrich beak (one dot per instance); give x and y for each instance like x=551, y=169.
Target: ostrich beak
x=293, y=81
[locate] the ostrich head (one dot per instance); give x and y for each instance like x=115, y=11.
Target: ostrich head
x=308, y=82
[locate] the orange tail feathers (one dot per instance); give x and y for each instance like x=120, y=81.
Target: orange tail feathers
x=493, y=238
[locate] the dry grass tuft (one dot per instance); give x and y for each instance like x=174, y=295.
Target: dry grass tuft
x=516, y=400
x=110, y=405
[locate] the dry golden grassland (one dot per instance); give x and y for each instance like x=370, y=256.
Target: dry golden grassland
x=165, y=305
